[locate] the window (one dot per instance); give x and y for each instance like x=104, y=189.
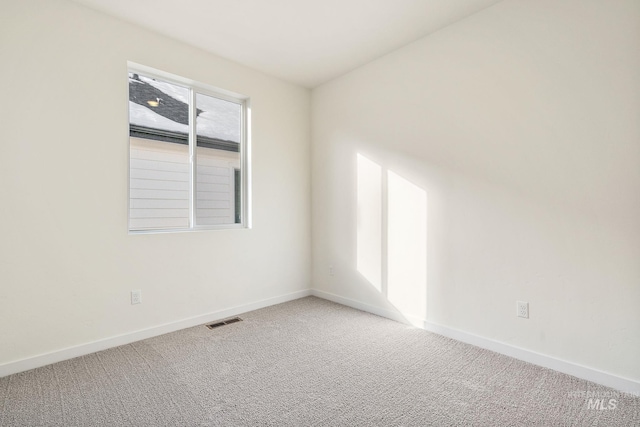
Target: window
x=188, y=148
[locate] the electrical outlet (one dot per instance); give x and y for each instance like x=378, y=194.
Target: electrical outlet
x=522, y=309
x=136, y=297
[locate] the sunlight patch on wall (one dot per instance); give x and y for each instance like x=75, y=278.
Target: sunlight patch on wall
x=407, y=246
x=391, y=237
x=369, y=220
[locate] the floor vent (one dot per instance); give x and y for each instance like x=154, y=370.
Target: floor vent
x=224, y=322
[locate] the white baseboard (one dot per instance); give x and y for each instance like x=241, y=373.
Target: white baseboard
x=92, y=347
x=570, y=368
x=590, y=374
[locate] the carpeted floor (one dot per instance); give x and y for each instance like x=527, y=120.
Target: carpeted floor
x=308, y=362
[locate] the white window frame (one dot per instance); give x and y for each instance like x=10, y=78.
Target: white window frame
x=245, y=149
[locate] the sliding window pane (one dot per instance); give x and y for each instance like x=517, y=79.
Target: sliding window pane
x=218, y=164
x=159, y=154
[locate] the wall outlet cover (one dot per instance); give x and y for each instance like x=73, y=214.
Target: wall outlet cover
x=136, y=297
x=522, y=309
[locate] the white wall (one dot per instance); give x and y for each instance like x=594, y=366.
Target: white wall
x=519, y=125
x=67, y=263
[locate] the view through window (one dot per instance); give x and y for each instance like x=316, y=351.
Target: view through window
x=187, y=156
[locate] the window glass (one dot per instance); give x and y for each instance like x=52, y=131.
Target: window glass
x=218, y=125
x=184, y=175
x=159, y=154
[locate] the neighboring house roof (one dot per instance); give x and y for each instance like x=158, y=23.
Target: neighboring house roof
x=159, y=110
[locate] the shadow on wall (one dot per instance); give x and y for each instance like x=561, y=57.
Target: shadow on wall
x=392, y=237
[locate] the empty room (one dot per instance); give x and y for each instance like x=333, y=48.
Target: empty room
x=336, y=213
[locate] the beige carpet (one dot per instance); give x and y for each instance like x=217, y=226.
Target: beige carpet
x=304, y=363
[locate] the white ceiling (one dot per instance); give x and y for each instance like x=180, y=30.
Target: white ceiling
x=305, y=42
